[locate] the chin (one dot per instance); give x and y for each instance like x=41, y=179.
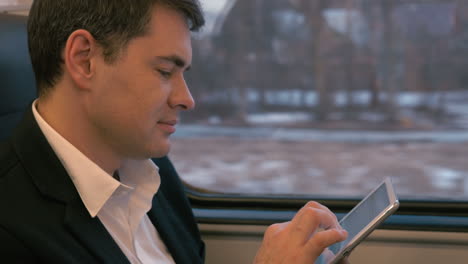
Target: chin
x=160, y=151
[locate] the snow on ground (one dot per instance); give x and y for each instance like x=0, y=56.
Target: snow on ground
x=278, y=118
x=445, y=178
x=336, y=169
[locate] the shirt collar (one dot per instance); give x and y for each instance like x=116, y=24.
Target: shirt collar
x=94, y=185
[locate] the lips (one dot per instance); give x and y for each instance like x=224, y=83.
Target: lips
x=168, y=125
x=169, y=122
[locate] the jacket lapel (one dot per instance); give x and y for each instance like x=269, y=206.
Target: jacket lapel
x=178, y=241
x=92, y=233
x=52, y=180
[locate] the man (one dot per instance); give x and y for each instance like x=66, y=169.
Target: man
x=76, y=181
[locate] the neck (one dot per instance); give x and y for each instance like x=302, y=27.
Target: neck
x=62, y=110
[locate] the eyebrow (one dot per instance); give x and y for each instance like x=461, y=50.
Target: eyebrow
x=178, y=61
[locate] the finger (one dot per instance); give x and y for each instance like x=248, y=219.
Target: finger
x=274, y=229
x=327, y=255
x=326, y=209
x=306, y=223
x=313, y=204
x=321, y=240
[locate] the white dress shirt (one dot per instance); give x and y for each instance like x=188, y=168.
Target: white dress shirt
x=120, y=206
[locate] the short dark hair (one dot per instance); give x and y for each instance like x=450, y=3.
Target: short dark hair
x=113, y=23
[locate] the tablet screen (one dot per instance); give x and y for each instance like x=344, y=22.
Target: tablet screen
x=359, y=218
x=365, y=217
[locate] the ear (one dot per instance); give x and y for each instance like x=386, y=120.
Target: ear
x=79, y=51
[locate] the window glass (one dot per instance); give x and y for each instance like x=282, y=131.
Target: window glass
x=15, y=5
x=328, y=97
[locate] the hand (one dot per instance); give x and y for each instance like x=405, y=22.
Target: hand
x=300, y=240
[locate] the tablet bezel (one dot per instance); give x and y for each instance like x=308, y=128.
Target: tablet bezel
x=384, y=214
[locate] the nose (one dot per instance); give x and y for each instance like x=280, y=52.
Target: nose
x=181, y=97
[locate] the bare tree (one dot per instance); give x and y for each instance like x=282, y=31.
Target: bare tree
x=316, y=22
x=349, y=57
x=387, y=60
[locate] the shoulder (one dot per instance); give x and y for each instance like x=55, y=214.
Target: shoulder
x=17, y=190
x=8, y=160
x=13, y=250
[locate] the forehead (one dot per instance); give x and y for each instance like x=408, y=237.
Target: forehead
x=163, y=15
x=168, y=32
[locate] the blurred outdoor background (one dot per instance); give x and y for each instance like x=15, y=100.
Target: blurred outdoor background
x=328, y=97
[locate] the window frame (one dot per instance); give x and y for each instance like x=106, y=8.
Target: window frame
x=251, y=209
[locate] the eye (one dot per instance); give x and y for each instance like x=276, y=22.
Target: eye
x=165, y=74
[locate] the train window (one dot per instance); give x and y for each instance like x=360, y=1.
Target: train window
x=327, y=98
x=14, y=5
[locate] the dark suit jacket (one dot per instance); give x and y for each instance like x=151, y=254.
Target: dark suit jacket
x=43, y=220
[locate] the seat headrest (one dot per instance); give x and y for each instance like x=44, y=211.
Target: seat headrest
x=17, y=83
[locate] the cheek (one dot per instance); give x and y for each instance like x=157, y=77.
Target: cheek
x=122, y=94
x=138, y=98
x=145, y=114
x=155, y=103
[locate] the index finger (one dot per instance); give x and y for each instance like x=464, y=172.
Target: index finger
x=324, y=239
x=332, y=220
x=308, y=221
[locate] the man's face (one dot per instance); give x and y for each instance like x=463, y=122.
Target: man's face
x=137, y=98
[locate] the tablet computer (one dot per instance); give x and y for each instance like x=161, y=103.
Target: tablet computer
x=379, y=204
